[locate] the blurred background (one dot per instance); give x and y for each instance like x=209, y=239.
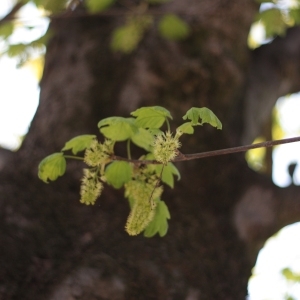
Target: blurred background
x=277, y=271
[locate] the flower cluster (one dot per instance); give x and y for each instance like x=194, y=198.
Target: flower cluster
x=98, y=154
x=91, y=187
x=137, y=190
x=140, y=216
x=143, y=197
x=165, y=147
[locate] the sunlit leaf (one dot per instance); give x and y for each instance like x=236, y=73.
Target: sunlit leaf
x=6, y=29
x=290, y=275
x=159, y=224
x=256, y=157
x=273, y=22
x=95, y=6
x=173, y=28
x=40, y=42
x=54, y=6
x=16, y=49
x=151, y=117
x=199, y=116
x=126, y=38
x=79, y=143
x=143, y=138
x=118, y=173
x=118, y=128
x=36, y=66
x=51, y=167
x=277, y=129
x=155, y=131
x=294, y=14
x=186, y=128
x=168, y=173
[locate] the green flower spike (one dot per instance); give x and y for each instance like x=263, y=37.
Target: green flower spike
x=90, y=188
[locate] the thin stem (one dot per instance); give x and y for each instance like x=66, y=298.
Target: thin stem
x=168, y=124
x=266, y=144
x=128, y=149
x=73, y=157
x=185, y=157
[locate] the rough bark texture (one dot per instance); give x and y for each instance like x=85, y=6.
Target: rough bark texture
x=53, y=248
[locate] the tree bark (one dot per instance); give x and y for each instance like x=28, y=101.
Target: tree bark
x=55, y=248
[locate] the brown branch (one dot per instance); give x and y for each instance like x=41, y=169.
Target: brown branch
x=11, y=15
x=185, y=157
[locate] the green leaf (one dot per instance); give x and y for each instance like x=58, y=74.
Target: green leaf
x=79, y=143
x=117, y=173
x=16, y=49
x=159, y=224
x=168, y=174
x=52, y=166
x=155, y=131
x=186, y=128
x=204, y=115
x=151, y=117
x=294, y=14
x=290, y=275
x=273, y=21
x=127, y=37
x=54, y=6
x=143, y=138
x=95, y=6
x=118, y=128
x=173, y=28
x=6, y=29
x=290, y=298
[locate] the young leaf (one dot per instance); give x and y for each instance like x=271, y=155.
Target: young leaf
x=290, y=275
x=186, y=128
x=204, y=114
x=6, y=30
x=173, y=27
x=54, y=6
x=143, y=138
x=95, y=6
x=79, y=143
x=168, y=174
x=52, y=166
x=16, y=49
x=127, y=37
x=159, y=224
x=118, y=173
x=273, y=21
x=118, y=128
x=155, y=131
x=151, y=117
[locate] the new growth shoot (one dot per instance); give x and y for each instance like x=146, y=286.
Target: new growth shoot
x=142, y=178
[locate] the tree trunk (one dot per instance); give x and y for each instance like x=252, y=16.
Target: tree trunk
x=54, y=248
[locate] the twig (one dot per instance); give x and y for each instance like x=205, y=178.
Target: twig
x=11, y=15
x=185, y=157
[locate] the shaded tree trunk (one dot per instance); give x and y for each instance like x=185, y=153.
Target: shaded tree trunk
x=55, y=248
